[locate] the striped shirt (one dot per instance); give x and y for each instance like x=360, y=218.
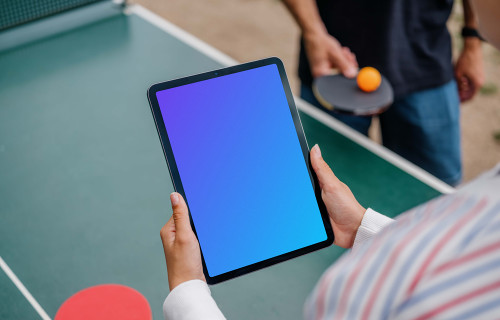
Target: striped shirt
x=440, y=260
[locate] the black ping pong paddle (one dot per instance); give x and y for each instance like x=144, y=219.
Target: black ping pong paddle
x=341, y=94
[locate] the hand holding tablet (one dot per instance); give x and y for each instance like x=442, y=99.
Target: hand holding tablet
x=235, y=133
x=344, y=210
x=181, y=247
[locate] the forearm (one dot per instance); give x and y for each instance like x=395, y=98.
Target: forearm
x=306, y=14
x=470, y=21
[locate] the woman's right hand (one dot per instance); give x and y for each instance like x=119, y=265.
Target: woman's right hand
x=344, y=210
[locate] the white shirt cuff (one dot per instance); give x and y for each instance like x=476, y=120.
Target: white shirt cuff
x=371, y=224
x=191, y=300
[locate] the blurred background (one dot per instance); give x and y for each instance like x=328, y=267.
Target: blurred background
x=252, y=29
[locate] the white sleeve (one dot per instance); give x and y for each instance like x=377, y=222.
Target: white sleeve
x=371, y=224
x=191, y=300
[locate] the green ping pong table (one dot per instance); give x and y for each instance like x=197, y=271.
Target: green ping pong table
x=84, y=185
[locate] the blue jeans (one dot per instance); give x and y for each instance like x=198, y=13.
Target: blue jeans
x=423, y=127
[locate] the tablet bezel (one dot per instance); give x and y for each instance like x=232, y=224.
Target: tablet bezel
x=177, y=183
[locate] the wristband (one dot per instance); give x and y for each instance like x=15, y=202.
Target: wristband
x=471, y=33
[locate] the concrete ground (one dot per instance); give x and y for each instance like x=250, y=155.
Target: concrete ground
x=252, y=29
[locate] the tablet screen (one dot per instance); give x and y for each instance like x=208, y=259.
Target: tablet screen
x=242, y=168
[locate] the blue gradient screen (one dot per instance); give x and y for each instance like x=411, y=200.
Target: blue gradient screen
x=242, y=168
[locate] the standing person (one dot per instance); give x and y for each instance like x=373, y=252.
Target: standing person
x=408, y=41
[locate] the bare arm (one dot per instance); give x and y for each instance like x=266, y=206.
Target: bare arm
x=470, y=19
x=469, y=70
x=305, y=13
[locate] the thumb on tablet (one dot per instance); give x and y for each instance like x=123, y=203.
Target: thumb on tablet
x=325, y=175
x=180, y=214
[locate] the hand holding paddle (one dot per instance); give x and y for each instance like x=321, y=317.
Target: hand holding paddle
x=325, y=53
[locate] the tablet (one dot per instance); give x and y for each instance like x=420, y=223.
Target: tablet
x=237, y=153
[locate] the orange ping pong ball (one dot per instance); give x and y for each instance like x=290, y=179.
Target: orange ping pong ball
x=369, y=79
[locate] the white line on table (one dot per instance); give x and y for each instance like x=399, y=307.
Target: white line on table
x=23, y=290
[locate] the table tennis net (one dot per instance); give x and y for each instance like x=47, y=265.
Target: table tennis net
x=17, y=12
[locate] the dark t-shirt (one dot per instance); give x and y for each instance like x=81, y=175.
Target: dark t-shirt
x=406, y=40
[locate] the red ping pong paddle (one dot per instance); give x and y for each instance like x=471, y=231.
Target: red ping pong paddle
x=105, y=302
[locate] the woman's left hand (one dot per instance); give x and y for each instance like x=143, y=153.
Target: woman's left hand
x=182, y=250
